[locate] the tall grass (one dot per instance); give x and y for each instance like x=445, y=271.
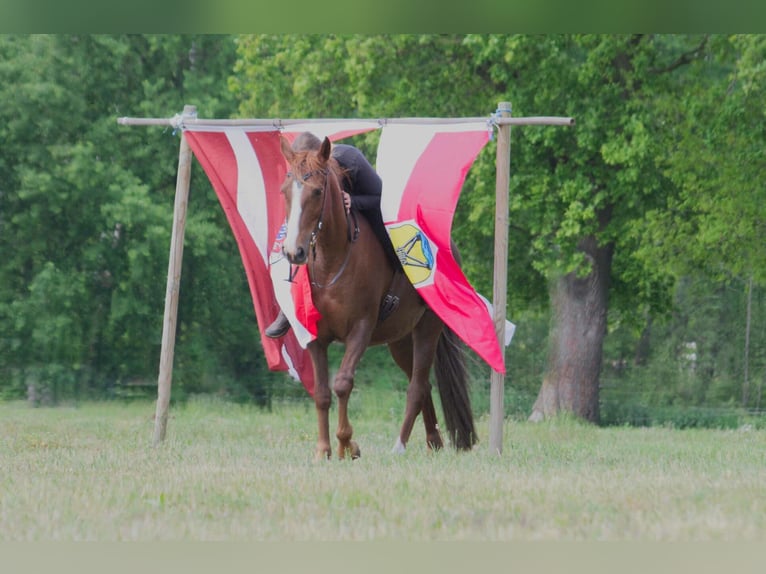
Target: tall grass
x=235, y=472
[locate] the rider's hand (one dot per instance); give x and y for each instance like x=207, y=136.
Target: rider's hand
x=347, y=201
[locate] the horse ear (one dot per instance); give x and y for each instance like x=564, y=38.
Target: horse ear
x=324, y=151
x=287, y=151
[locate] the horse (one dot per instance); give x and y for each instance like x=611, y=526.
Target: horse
x=351, y=278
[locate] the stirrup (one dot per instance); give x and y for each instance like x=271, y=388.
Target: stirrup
x=388, y=306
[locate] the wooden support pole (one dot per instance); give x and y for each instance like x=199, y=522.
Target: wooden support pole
x=165, y=377
x=500, y=282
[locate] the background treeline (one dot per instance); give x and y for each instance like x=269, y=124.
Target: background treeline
x=664, y=168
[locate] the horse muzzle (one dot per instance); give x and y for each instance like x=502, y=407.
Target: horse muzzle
x=297, y=257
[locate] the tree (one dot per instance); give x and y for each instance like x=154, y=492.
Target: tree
x=87, y=211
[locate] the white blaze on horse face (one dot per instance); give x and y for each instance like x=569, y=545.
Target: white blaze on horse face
x=293, y=218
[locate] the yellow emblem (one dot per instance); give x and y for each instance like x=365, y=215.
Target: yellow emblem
x=415, y=251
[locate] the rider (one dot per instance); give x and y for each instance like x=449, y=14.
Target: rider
x=362, y=188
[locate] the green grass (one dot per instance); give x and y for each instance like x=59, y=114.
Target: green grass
x=232, y=472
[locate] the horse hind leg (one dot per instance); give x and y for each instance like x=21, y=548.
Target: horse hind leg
x=418, y=398
x=401, y=351
x=433, y=436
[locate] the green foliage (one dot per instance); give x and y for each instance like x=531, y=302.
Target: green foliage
x=715, y=158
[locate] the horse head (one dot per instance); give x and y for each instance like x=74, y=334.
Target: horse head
x=304, y=191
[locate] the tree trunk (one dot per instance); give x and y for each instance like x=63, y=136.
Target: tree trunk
x=576, y=339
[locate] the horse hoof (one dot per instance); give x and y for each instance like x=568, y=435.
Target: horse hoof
x=351, y=450
x=321, y=455
x=399, y=447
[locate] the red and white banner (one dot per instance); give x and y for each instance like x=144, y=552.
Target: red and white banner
x=423, y=169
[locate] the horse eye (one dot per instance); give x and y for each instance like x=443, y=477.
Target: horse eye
x=317, y=191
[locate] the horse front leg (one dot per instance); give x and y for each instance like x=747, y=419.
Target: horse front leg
x=322, y=398
x=356, y=344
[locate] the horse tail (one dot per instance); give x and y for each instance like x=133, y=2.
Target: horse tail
x=452, y=382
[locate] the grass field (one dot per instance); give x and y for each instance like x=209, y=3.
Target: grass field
x=229, y=472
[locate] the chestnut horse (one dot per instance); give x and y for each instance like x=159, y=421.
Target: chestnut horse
x=350, y=278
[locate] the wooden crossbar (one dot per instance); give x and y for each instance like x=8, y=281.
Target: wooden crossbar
x=194, y=123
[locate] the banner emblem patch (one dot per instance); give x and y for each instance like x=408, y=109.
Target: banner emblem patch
x=415, y=250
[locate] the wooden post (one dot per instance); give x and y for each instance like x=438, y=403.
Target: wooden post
x=173, y=285
x=499, y=297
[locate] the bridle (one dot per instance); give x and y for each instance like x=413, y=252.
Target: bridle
x=352, y=235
